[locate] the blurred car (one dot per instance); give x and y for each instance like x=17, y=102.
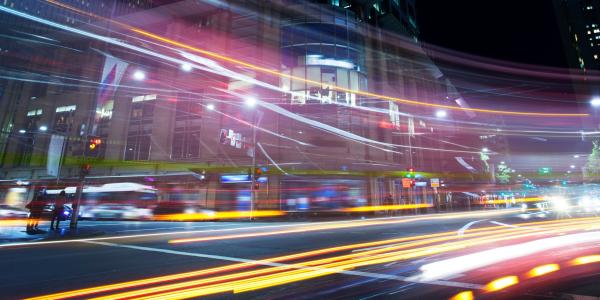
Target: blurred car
x=176, y=211
x=11, y=212
x=49, y=210
x=117, y=211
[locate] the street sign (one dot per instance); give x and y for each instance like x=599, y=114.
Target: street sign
x=435, y=182
x=545, y=171
x=406, y=182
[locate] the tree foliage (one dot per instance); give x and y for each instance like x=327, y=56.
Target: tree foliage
x=591, y=171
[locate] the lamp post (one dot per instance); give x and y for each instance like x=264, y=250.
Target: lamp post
x=256, y=118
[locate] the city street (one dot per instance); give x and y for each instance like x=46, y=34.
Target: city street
x=299, y=149
x=131, y=251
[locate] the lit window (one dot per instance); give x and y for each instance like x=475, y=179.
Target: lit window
x=66, y=108
x=595, y=56
x=144, y=98
x=34, y=112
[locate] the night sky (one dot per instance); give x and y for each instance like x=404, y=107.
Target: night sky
x=515, y=30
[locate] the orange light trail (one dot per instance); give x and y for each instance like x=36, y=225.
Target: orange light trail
x=543, y=270
x=386, y=207
x=337, y=226
x=220, y=215
x=337, y=88
x=501, y=283
x=332, y=264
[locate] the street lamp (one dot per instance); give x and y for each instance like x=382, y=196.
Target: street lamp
x=572, y=166
x=595, y=102
x=43, y=128
x=485, y=150
x=441, y=114
x=186, y=67
x=576, y=156
x=22, y=131
x=210, y=106
x=139, y=75
x=250, y=101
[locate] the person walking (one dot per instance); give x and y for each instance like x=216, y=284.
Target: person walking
x=59, y=208
x=36, y=207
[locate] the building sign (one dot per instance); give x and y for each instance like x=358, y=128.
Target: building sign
x=435, y=182
x=240, y=178
x=55, y=153
x=407, y=182
x=112, y=73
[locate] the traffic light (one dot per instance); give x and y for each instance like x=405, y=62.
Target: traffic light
x=94, y=143
x=257, y=173
x=410, y=173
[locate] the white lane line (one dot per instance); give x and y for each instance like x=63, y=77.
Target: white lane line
x=504, y=224
x=462, y=230
x=464, y=285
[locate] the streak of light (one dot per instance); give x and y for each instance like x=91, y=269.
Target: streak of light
x=331, y=226
x=543, y=270
x=302, y=79
x=501, y=283
x=530, y=199
x=219, y=215
x=460, y=264
x=584, y=260
x=364, y=259
x=386, y=207
x=466, y=295
x=254, y=283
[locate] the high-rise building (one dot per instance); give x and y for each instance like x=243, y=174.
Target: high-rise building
x=579, y=23
x=315, y=67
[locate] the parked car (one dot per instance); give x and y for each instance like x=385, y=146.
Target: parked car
x=11, y=212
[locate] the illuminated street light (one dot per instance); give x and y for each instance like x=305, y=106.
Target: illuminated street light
x=139, y=75
x=485, y=149
x=572, y=166
x=43, y=128
x=575, y=156
x=502, y=162
x=186, y=67
x=595, y=102
x=210, y=106
x=22, y=131
x=441, y=114
x=250, y=101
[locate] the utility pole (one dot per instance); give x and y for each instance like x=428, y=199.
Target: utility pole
x=255, y=123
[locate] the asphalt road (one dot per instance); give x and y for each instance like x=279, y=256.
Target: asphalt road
x=129, y=251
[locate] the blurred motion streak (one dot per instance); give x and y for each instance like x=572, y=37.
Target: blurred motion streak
x=302, y=79
x=586, y=260
x=219, y=215
x=501, y=283
x=543, y=270
x=339, y=226
x=466, y=295
x=387, y=207
x=277, y=274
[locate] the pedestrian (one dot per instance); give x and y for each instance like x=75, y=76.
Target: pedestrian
x=59, y=208
x=36, y=207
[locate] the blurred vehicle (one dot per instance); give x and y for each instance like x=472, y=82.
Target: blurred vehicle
x=542, y=206
x=588, y=204
x=11, y=212
x=178, y=208
x=117, y=212
x=49, y=210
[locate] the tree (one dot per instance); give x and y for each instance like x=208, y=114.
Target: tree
x=503, y=174
x=591, y=171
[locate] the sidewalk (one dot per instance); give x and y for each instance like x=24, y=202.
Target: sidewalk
x=13, y=231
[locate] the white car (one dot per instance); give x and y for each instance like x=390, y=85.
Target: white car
x=11, y=212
